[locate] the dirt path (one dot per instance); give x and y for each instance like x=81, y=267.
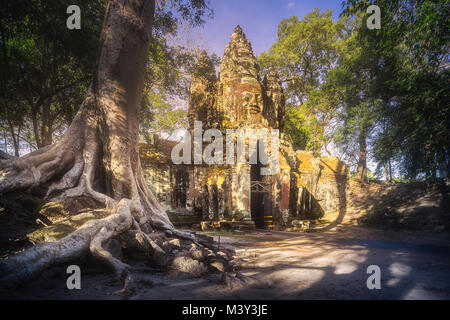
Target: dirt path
x=333, y=265
x=330, y=265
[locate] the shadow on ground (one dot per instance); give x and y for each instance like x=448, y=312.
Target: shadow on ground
x=328, y=265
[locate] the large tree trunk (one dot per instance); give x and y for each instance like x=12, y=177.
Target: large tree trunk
x=361, y=172
x=15, y=138
x=34, y=121
x=46, y=131
x=98, y=156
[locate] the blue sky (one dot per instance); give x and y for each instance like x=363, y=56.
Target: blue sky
x=258, y=18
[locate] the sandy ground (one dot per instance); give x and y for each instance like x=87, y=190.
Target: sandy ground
x=329, y=265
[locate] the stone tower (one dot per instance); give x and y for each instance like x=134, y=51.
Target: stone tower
x=235, y=195
x=239, y=98
x=203, y=91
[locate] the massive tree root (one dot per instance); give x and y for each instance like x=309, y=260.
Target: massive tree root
x=97, y=159
x=78, y=167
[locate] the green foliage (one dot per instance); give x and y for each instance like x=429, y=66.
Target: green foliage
x=300, y=128
x=159, y=115
x=167, y=87
x=409, y=59
x=382, y=93
x=44, y=64
x=304, y=54
x=169, y=13
x=171, y=63
x=46, y=69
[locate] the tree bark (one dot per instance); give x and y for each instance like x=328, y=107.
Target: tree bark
x=34, y=119
x=361, y=171
x=98, y=155
x=386, y=171
x=46, y=131
x=15, y=138
x=390, y=170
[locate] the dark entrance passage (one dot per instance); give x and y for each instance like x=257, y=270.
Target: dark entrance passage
x=257, y=209
x=261, y=200
x=258, y=196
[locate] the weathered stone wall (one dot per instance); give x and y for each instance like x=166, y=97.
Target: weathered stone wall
x=305, y=187
x=203, y=94
x=169, y=183
x=321, y=185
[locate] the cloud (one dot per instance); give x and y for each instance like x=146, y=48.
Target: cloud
x=290, y=5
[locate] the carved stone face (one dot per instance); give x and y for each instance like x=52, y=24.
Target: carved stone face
x=249, y=98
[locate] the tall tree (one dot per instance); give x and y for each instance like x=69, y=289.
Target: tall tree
x=37, y=46
x=355, y=76
x=167, y=83
x=406, y=62
x=44, y=62
x=304, y=53
x=97, y=158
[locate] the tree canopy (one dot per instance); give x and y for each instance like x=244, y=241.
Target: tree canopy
x=378, y=94
x=47, y=70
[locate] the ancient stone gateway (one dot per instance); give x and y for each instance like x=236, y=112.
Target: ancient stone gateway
x=237, y=196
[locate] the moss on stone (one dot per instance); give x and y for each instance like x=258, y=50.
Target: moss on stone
x=53, y=210
x=51, y=233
